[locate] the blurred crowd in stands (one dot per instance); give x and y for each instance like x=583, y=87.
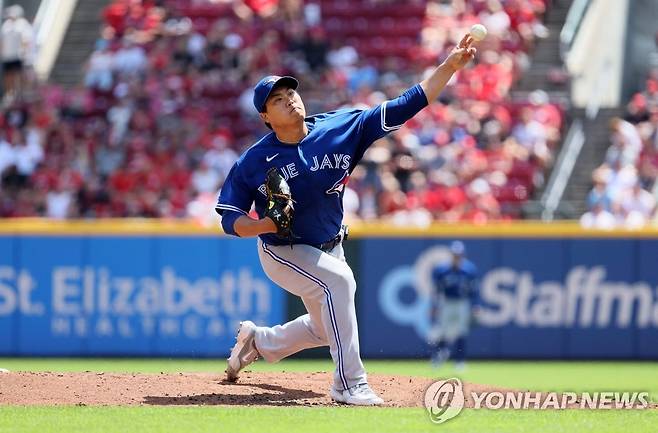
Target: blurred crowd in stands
x=164, y=108
x=625, y=186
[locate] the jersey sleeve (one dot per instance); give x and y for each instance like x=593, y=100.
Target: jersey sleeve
x=378, y=121
x=235, y=199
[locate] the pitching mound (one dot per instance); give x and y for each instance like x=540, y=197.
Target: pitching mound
x=263, y=389
x=253, y=389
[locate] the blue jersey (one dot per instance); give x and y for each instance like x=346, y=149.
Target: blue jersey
x=458, y=282
x=317, y=168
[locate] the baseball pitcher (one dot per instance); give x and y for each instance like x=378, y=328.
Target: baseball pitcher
x=295, y=178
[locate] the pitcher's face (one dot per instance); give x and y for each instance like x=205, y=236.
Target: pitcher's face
x=284, y=108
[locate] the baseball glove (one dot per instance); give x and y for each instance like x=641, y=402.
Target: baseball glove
x=280, y=207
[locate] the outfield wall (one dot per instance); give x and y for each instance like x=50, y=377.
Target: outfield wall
x=93, y=292
x=171, y=289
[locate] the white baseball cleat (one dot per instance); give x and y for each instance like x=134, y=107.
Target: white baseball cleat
x=360, y=395
x=244, y=352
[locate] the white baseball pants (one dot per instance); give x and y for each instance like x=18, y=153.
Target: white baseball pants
x=326, y=284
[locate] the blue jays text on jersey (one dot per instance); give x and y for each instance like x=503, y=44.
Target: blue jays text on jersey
x=317, y=168
x=457, y=282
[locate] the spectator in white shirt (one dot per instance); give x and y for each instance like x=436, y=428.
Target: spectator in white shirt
x=626, y=143
x=221, y=157
x=15, y=45
x=620, y=179
x=119, y=117
x=598, y=218
x=205, y=179
x=28, y=155
x=634, y=220
x=639, y=200
x=58, y=203
x=7, y=155
x=532, y=135
x=495, y=19
x=351, y=205
x=99, y=67
x=130, y=59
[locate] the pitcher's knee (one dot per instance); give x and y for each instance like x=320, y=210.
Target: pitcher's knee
x=319, y=334
x=344, y=284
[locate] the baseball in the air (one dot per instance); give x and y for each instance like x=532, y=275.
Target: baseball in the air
x=478, y=32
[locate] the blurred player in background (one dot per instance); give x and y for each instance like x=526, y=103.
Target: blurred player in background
x=454, y=305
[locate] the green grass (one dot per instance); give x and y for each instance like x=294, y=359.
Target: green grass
x=312, y=420
x=554, y=376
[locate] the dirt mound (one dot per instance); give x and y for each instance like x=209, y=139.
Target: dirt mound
x=263, y=389
x=252, y=389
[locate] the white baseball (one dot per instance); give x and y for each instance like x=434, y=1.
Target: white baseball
x=4, y=370
x=478, y=32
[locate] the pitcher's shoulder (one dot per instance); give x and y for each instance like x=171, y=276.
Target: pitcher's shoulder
x=257, y=149
x=335, y=114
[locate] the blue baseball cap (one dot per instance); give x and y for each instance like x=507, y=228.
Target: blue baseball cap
x=457, y=248
x=266, y=85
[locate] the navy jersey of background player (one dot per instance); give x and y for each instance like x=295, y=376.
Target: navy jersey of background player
x=457, y=280
x=317, y=169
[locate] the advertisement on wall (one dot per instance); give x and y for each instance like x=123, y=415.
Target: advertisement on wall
x=184, y=296
x=539, y=298
x=169, y=296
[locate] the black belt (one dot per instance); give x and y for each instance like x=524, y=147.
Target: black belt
x=330, y=245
